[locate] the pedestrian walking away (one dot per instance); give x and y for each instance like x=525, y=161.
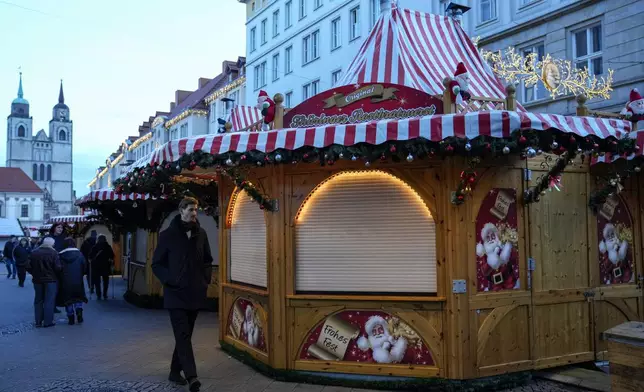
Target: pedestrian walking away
x=183, y=263
x=57, y=232
x=8, y=257
x=71, y=293
x=101, y=258
x=21, y=254
x=86, y=249
x=44, y=265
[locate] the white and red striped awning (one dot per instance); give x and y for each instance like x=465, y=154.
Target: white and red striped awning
x=639, y=141
x=111, y=195
x=499, y=123
x=243, y=117
x=419, y=50
x=69, y=219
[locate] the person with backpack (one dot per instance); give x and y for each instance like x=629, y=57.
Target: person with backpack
x=101, y=258
x=21, y=254
x=71, y=293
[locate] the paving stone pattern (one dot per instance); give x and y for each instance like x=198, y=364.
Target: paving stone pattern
x=121, y=348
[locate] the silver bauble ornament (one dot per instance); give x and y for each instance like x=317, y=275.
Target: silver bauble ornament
x=341, y=155
x=468, y=146
x=539, y=151
x=637, y=169
x=410, y=158
x=278, y=157
x=259, y=163
x=354, y=158
x=229, y=162
x=367, y=163
x=506, y=150
x=531, y=152
x=554, y=145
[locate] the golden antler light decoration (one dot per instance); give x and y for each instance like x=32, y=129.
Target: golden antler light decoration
x=560, y=77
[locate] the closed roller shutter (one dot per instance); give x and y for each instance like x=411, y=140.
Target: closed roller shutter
x=365, y=232
x=248, y=243
x=141, y=243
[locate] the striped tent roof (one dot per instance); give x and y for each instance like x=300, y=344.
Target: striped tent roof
x=243, y=117
x=70, y=219
x=639, y=141
x=109, y=194
x=419, y=50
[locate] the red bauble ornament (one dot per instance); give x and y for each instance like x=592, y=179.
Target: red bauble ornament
x=572, y=139
x=449, y=148
x=522, y=139
x=488, y=146
x=383, y=158
x=562, y=149
x=243, y=157
x=392, y=149
x=266, y=158
x=330, y=162
x=305, y=156
x=261, y=207
x=460, y=197
x=192, y=165
x=472, y=179
x=154, y=174
x=242, y=184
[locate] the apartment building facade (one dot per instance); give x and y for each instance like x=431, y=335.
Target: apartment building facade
x=301, y=47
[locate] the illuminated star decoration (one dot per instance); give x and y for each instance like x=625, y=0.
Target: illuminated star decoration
x=356, y=86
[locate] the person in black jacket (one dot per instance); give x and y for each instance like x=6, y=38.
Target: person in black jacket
x=71, y=293
x=21, y=254
x=57, y=232
x=44, y=266
x=8, y=257
x=101, y=258
x=183, y=263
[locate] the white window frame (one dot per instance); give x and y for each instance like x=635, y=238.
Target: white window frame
x=317, y=4
x=253, y=38
x=183, y=132
x=263, y=26
x=539, y=87
x=288, y=99
x=336, y=33
x=288, y=60
x=22, y=210
x=375, y=12
x=306, y=90
x=276, y=66
x=315, y=87
x=262, y=78
x=493, y=10
x=311, y=47
x=276, y=23
x=589, y=57
x=256, y=77
x=288, y=14
x=336, y=75
x=302, y=10
x=354, y=23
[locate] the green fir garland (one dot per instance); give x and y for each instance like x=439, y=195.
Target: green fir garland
x=613, y=184
x=534, y=193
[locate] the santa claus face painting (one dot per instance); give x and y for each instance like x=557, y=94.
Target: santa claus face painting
x=385, y=348
x=637, y=107
x=250, y=327
x=616, y=256
x=463, y=81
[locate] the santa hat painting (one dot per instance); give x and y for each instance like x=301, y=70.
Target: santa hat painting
x=385, y=348
x=634, y=108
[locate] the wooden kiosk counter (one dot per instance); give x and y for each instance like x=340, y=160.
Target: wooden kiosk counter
x=399, y=226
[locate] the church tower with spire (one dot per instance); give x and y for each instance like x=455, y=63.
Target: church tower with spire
x=19, y=133
x=60, y=133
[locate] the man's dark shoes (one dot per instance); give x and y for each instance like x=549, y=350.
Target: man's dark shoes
x=79, y=315
x=56, y=310
x=195, y=384
x=70, y=320
x=177, y=379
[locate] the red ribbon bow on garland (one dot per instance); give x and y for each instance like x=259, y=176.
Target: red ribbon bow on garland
x=554, y=182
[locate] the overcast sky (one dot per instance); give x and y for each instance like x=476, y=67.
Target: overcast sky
x=120, y=60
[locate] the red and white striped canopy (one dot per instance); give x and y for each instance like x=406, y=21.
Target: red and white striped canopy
x=639, y=141
x=419, y=50
x=242, y=117
x=69, y=219
x=498, y=123
x=111, y=195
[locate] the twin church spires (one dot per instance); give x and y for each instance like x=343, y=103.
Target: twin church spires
x=20, y=106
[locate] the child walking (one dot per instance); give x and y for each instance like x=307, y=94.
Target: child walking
x=71, y=293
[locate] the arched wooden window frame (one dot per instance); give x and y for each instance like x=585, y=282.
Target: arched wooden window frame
x=22, y=132
x=48, y=172
x=427, y=194
x=42, y=172
x=35, y=172
x=234, y=198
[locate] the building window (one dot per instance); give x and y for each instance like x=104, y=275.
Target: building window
x=183, y=129
x=375, y=12
x=335, y=76
x=48, y=172
x=276, y=66
x=587, y=49
x=288, y=60
x=276, y=23
x=252, y=6
x=288, y=99
x=354, y=23
x=21, y=131
x=288, y=10
x=62, y=135
x=311, y=47
x=253, y=44
x=1, y=214
x=538, y=90
x=260, y=75
x=317, y=4
x=303, y=9
x=263, y=31
x=336, y=33
x=42, y=172
x=310, y=89
x=488, y=10
x=24, y=211
x=34, y=174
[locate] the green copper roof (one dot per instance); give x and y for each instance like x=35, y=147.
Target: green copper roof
x=20, y=98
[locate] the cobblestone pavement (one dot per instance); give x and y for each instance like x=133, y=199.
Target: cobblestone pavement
x=121, y=348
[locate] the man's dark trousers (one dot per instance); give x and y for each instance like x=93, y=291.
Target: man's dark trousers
x=183, y=358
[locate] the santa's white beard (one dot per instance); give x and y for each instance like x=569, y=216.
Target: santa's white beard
x=616, y=252
x=386, y=349
x=637, y=106
x=252, y=333
x=497, y=253
x=463, y=83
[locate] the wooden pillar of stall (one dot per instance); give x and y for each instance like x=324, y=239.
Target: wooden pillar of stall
x=154, y=286
x=278, y=121
x=582, y=109
x=510, y=97
x=449, y=107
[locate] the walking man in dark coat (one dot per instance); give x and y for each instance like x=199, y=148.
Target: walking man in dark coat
x=44, y=266
x=86, y=249
x=183, y=263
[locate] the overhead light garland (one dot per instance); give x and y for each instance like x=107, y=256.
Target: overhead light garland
x=185, y=114
x=527, y=144
x=560, y=77
x=140, y=140
x=230, y=86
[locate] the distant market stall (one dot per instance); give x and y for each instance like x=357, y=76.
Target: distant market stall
x=415, y=221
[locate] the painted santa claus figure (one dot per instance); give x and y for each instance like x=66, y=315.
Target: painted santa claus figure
x=267, y=106
x=615, y=254
x=495, y=257
x=251, y=327
x=634, y=109
x=460, y=85
x=385, y=348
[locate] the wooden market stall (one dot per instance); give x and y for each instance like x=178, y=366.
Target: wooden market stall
x=138, y=219
x=384, y=227
x=80, y=228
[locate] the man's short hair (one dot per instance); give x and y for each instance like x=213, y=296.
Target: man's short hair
x=187, y=201
x=13, y=237
x=48, y=242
